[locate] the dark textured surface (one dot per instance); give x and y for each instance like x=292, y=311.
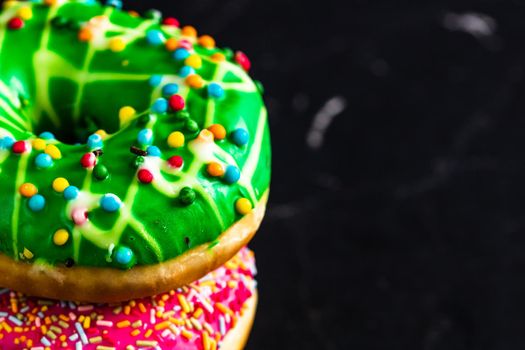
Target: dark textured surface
x=405, y=228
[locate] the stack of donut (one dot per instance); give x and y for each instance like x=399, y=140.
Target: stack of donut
x=134, y=170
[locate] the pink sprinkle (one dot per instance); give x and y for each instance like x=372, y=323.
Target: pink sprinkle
x=79, y=216
x=185, y=44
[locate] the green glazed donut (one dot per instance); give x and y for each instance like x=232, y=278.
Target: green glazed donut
x=126, y=142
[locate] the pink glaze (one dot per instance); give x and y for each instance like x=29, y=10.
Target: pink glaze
x=194, y=317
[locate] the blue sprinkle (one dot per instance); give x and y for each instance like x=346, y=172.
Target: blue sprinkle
x=114, y=3
x=145, y=137
x=71, y=192
x=186, y=71
x=6, y=142
x=181, y=54
x=232, y=174
x=46, y=135
x=215, y=90
x=170, y=89
x=155, y=37
x=123, y=255
x=94, y=141
x=155, y=80
x=43, y=161
x=240, y=137
x=154, y=151
x=160, y=106
x=110, y=203
x=37, y=202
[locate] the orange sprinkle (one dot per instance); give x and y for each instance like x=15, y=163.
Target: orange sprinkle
x=184, y=303
x=207, y=42
x=28, y=190
x=161, y=326
x=215, y=169
x=195, y=81
x=171, y=44
x=148, y=333
x=198, y=313
x=123, y=324
x=85, y=34
x=218, y=57
x=218, y=131
x=206, y=340
x=134, y=13
x=187, y=334
x=135, y=332
x=127, y=310
x=189, y=31
x=142, y=308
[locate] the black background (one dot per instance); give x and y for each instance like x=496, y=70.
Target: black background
x=405, y=229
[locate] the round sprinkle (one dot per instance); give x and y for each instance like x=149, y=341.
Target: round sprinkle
x=88, y=160
x=185, y=44
x=79, y=216
x=176, y=162
x=191, y=125
x=43, y=161
x=53, y=152
x=60, y=184
x=193, y=61
x=181, y=54
x=186, y=71
x=16, y=23
x=60, y=237
x=207, y=42
x=94, y=141
x=170, y=21
x=232, y=174
x=28, y=254
x=145, y=137
x=240, y=137
x=114, y=3
x=153, y=14
x=195, y=81
x=215, y=169
x=85, y=35
x=170, y=89
x=6, y=142
x=123, y=255
x=171, y=44
x=218, y=131
x=187, y=196
x=243, y=206
x=243, y=60
x=102, y=133
x=154, y=151
x=155, y=80
x=117, y=45
x=37, y=203
x=71, y=192
x=160, y=106
x=39, y=144
x=215, y=90
x=189, y=31
x=26, y=13
x=46, y=135
x=176, y=139
x=100, y=172
x=126, y=113
x=20, y=147
x=218, y=57
x=145, y=176
x=177, y=102
x=110, y=203
x=28, y=190
x=155, y=37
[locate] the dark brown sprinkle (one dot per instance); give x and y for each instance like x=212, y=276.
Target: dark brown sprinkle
x=187, y=241
x=98, y=152
x=69, y=262
x=138, y=151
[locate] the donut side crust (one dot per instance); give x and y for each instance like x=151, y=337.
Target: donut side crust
x=237, y=337
x=107, y=285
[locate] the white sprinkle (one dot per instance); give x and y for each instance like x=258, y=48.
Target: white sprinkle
x=152, y=316
x=222, y=325
x=72, y=316
x=73, y=337
x=41, y=314
x=323, y=119
x=104, y=323
x=37, y=322
x=37, y=348
x=166, y=332
x=44, y=341
x=85, y=308
x=81, y=333
x=24, y=309
x=476, y=24
x=78, y=346
x=3, y=314
x=15, y=320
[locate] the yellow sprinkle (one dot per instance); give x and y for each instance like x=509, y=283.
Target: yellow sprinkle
x=187, y=334
x=176, y=139
x=43, y=329
x=63, y=318
x=60, y=237
x=218, y=57
x=243, y=206
x=50, y=2
x=102, y=133
x=103, y=347
x=195, y=81
x=25, y=13
x=171, y=44
x=28, y=190
x=194, y=61
x=87, y=322
x=19, y=329
x=184, y=303
x=28, y=254
x=161, y=326
x=126, y=113
x=10, y=3
x=123, y=324
x=7, y=327
x=198, y=313
x=39, y=144
x=147, y=343
x=196, y=324
x=135, y=332
x=117, y=45
x=60, y=184
x=206, y=340
x=95, y=340
x=224, y=309
x=136, y=324
x=213, y=344
x=133, y=303
x=53, y=151
x=148, y=333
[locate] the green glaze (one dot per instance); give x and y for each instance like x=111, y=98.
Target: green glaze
x=52, y=81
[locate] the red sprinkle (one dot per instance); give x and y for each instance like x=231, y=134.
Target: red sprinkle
x=243, y=60
x=145, y=176
x=20, y=147
x=177, y=103
x=170, y=21
x=88, y=160
x=175, y=161
x=16, y=23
